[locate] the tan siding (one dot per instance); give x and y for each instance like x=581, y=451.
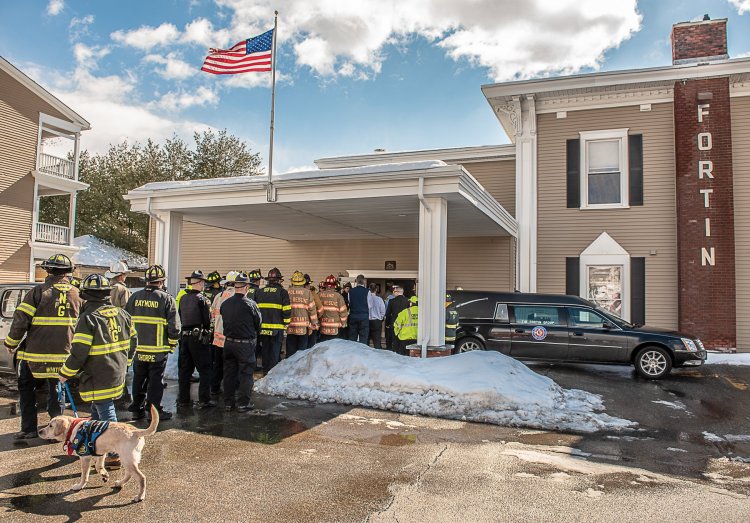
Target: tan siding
x=741, y=168
x=19, y=121
x=472, y=262
x=499, y=179
x=566, y=232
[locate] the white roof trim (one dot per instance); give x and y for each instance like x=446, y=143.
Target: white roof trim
x=604, y=245
x=608, y=78
x=42, y=93
x=481, y=153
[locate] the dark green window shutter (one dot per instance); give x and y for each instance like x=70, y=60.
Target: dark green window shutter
x=573, y=276
x=635, y=162
x=574, y=173
x=638, y=290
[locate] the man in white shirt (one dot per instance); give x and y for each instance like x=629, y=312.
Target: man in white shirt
x=376, y=306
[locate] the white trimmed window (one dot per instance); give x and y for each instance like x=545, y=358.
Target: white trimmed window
x=604, y=169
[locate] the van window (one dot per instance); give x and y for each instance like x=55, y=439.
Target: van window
x=11, y=299
x=537, y=315
x=501, y=313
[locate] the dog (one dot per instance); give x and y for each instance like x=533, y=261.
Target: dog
x=121, y=438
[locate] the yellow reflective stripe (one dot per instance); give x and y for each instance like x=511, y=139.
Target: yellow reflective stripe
x=85, y=339
x=41, y=375
x=103, y=394
x=271, y=326
x=28, y=309
x=67, y=371
x=451, y=325
x=149, y=320
x=286, y=308
x=133, y=332
x=270, y=306
x=172, y=341
x=42, y=358
x=286, y=320
x=10, y=342
x=54, y=321
x=153, y=348
x=108, y=348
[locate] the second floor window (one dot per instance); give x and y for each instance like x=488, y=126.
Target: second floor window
x=604, y=161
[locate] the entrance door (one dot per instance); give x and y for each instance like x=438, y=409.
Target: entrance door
x=539, y=332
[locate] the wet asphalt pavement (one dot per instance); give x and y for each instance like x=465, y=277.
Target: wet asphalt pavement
x=296, y=461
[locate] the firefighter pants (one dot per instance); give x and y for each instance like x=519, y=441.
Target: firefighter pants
x=148, y=384
x=271, y=345
x=295, y=342
x=239, y=364
x=376, y=327
x=312, y=338
x=217, y=368
x=389, y=338
x=194, y=355
x=27, y=386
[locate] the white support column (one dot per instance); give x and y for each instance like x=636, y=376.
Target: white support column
x=168, y=237
x=72, y=217
x=433, y=235
x=526, y=193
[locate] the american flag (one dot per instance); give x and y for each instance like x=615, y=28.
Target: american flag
x=248, y=56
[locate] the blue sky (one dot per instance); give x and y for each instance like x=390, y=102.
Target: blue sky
x=353, y=75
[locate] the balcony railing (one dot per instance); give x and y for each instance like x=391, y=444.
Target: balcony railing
x=56, y=166
x=48, y=233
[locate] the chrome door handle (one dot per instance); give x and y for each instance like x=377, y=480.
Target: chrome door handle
x=520, y=331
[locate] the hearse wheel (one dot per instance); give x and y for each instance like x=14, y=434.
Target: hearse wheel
x=468, y=345
x=653, y=363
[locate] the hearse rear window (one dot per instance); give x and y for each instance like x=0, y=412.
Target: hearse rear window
x=537, y=315
x=501, y=313
x=476, y=308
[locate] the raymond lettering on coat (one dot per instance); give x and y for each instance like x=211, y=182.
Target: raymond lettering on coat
x=124, y=439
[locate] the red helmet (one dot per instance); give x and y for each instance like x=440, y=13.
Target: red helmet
x=274, y=275
x=330, y=282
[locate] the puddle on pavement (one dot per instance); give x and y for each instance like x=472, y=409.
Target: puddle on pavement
x=718, y=409
x=265, y=429
x=398, y=440
x=550, y=439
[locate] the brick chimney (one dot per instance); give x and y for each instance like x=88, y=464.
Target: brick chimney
x=699, y=41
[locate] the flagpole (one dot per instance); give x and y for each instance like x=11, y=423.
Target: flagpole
x=271, y=189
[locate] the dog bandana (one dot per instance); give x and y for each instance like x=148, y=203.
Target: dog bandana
x=86, y=433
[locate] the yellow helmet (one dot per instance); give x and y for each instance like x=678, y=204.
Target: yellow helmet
x=298, y=279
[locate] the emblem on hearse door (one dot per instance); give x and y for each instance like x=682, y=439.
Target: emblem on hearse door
x=539, y=333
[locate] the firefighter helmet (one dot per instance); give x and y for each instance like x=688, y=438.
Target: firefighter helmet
x=298, y=279
x=241, y=279
x=274, y=275
x=75, y=282
x=117, y=268
x=57, y=262
x=96, y=282
x=255, y=275
x=330, y=282
x=155, y=273
x=213, y=277
x=230, y=277
x=308, y=280
x=448, y=297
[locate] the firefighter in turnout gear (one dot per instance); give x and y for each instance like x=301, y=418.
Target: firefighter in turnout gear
x=154, y=315
x=104, y=343
x=276, y=311
x=406, y=324
x=195, y=316
x=217, y=327
x=451, y=320
x=242, y=320
x=304, y=318
x=213, y=286
x=332, y=311
x=47, y=318
x=313, y=338
x=252, y=293
x=116, y=275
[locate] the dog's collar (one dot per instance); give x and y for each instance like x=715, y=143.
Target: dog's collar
x=67, y=447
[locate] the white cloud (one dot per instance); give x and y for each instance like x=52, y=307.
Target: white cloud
x=55, y=7
x=741, y=5
x=147, y=37
x=512, y=39
x=88, y=57
x=201, y=31
x=79, y=27
x=176, y=101
x=174, y=67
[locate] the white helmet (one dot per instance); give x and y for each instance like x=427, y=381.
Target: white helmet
x=230, y=277
x=117, y=268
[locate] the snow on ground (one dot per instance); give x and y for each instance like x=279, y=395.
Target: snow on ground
x=99, y=253
x=721, y=358
x=676, y=405
x=476, y=386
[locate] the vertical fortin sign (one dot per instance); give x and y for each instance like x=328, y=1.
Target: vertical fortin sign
x=705, y=175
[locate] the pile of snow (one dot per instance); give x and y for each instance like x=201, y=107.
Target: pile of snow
x=96, y=252
x=723, y=358
x=476, y=386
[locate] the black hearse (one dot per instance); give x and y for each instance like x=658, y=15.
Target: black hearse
x=554, y=327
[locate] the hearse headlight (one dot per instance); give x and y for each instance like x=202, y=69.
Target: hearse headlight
x=689, y=344
x=699, y=343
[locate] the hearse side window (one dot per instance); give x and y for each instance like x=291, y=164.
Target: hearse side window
x=538, y=315
x=501, y=313
x=11, y=299
x=476, y=308
x=586, y=318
